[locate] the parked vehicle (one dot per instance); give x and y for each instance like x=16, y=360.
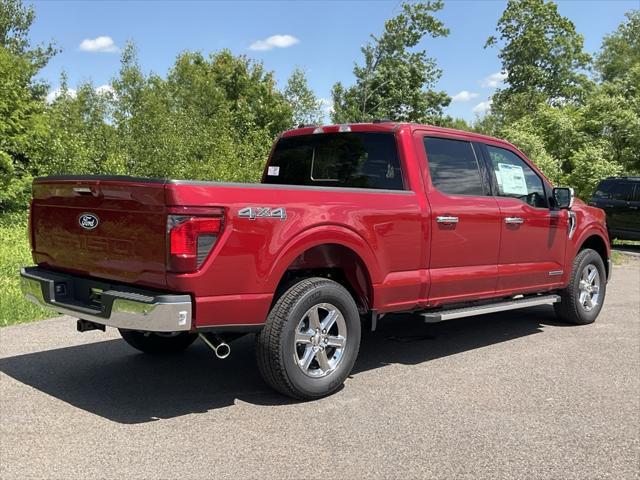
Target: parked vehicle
x=350, y=222
x=620, y=199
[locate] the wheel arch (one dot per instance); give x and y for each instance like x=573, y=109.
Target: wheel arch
x=596, y=242
x=336, y=253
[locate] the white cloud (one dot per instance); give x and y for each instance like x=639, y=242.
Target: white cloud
x=482, y=107
x=99, y=44
x=101, y=90
x=105, y=89
x=274, y=41
x=493, y=80
x=464, y=96
x=53, y=94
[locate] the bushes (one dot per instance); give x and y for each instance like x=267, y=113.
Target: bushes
x=14, y=253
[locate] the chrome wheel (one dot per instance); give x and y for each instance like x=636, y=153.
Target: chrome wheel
x=320, y=340
x=589, y=287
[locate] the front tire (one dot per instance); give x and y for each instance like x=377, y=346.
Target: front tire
x=583, y=298
x=158, y=343
x=311, y=339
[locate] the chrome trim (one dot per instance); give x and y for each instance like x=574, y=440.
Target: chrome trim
x=573, y=197
x=514, y=220
x=573, y=223
x=442, y=315
x=131, y=311
x=555, y=272
x=447, y=219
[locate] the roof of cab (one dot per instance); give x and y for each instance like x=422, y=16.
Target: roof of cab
x=387, y=126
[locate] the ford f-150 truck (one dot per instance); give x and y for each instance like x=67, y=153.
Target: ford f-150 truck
x=349, y=223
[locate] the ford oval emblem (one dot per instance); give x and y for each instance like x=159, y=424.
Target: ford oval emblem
x=88, y=221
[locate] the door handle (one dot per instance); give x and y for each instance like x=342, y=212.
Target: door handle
x=514, y=220
x=447, y=219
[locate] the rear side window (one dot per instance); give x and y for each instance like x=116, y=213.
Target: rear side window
x=614, y=190
x=453, y=166
x=515, y=178
x=350, y=159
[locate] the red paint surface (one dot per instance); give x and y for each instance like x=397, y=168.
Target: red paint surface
x=408, y=260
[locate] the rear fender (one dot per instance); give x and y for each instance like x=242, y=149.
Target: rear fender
x=322, y=235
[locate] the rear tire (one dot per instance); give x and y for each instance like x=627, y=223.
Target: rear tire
x=158, y=343
x=310, y=341
x=583, y=298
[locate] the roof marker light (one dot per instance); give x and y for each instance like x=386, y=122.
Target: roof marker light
x=318, y=130
x=344, y=128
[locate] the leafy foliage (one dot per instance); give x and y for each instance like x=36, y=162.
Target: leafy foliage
x=307, y=109
x=621, y=50
x=395, y=81
x=577, y=130
x=215, y=117
x=541, y=53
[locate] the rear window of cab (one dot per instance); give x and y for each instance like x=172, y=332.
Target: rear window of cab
x=344, y=159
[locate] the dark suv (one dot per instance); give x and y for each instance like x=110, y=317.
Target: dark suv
x=620, y=199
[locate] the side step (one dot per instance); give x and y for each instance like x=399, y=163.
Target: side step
x=442, y=315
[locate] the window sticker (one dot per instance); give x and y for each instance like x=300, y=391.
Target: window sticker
x=511, y=179
x=273, y=171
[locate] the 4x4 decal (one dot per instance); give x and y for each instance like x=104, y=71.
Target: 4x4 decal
x=253, y=213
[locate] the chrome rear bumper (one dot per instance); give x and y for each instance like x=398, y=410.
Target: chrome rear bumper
x=118, y=306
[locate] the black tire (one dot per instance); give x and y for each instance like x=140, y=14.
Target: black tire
x=158, y=343
x=277, y=350
x=570, y=308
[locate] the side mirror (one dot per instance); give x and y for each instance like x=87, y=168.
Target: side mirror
x=563, y=197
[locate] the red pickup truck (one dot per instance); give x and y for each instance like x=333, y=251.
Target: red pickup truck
x=350, y=222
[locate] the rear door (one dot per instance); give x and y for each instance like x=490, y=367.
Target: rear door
x=464, y=224
x=533, y=235
x=111, y=228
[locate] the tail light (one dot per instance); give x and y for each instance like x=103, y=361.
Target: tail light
x=191, y=239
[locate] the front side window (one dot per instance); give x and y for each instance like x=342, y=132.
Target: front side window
x=515, y=178
x=348, y=159
x=453, y=166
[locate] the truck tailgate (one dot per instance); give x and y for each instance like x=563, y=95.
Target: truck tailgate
x=105, y=227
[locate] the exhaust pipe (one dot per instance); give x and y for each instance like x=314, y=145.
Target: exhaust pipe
x=219, y=347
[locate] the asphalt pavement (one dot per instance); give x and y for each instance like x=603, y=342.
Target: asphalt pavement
x=510, y=395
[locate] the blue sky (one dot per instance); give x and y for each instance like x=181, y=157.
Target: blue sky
x=323, y=37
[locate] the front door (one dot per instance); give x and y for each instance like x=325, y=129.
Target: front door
x=533, y=236
x=464, y=224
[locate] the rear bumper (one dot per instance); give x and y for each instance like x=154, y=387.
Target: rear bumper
x=118, y=306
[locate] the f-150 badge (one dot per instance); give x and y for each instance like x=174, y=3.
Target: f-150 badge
x=253, y=213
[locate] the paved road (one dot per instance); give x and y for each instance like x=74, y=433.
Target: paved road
x=508, y=395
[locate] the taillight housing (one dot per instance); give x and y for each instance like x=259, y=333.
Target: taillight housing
x=191, y=239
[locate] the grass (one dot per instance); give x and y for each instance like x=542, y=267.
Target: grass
x=617, y=258
x=15, y=253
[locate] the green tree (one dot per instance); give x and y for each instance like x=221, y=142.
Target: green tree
x=22, y=120
x=620, y=51
x=306, y=107
x=396, y=81
x=211, y=118
x=542, y=55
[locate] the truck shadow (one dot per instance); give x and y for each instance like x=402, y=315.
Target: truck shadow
x=113, y=381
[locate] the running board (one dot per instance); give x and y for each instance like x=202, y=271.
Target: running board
x=442, y=315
